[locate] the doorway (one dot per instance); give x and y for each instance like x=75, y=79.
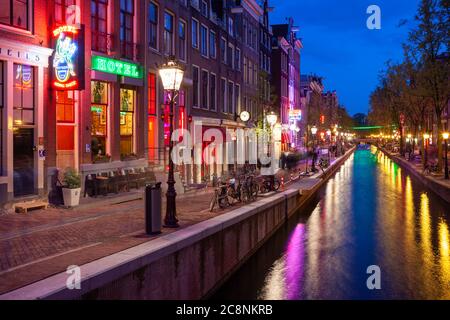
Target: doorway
x=23, y=162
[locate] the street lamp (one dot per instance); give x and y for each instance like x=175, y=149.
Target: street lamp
x=445, y=136
x=171, y=74
x=272, y=118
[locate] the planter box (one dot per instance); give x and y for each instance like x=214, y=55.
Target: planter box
x=71, y=197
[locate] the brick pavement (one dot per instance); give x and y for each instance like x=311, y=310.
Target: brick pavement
x=41, y=243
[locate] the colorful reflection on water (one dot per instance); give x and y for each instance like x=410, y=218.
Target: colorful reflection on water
x=371, y=213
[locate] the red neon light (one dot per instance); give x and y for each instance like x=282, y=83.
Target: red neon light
x=69, y=85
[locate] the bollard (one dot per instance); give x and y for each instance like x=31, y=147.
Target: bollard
x=153, y=208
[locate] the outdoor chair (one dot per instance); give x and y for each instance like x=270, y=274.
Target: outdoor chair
x=102, y=184
x=133, y=179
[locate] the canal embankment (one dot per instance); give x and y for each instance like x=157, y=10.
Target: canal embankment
x=438, y=185
x=187, y=264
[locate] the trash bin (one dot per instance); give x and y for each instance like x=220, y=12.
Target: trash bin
x=153, y=208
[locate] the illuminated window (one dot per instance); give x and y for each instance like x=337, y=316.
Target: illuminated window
x=15, y=13
x=152, y=122
x=65, y=106
x=65, y=129
x=127, y=107
x=99, y=117
x=23, y=98
x=1, y=117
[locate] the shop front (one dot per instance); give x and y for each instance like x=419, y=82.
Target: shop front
x=22, y=108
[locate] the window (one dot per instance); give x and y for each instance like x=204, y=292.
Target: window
x=230, y=55
x=195, y=86
x=151, y=118
x=61, y=10
x=23, y=98
x=1, y=117
x=204, y=8
x=168, y=34
x=223, y=92
x=15, y=13
x=127, y=106
x=223, y=52
x=231, y=97
x=245, y=70
x=126, y=28
x=182, y=40
x=231, y=26
x=237, y=96
x=99, y=23
x=65, y=107
x=204, y=39
x=250, y=72
x=152, y=94
x=238, y=59
x=204, y=94
x=153, y=26
x=212, y=92
x=99, y=117
x=212, y=44
x=194, y=33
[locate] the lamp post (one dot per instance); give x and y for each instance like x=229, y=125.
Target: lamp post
x=445, y=136
x=426, y=136
x=314, y=132
x=171, y=74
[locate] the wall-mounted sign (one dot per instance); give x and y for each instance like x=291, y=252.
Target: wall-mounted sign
x=68, y=59
x=295, y=114
x=118, y=67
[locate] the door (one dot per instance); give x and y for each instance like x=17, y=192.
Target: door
x=23, y=162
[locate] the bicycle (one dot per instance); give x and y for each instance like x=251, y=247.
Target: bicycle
x=220, y=198
x=267, y=186
x=323, y=164
x=234, y=190
x=431, y=169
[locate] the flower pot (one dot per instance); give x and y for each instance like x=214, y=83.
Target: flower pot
x=71, y=197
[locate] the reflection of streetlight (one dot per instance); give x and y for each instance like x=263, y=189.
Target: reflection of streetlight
x=171, y=74
x=445, y=136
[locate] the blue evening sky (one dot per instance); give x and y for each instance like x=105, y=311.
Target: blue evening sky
x=339, y=47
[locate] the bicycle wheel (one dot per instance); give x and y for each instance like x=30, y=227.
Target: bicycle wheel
x=213, y=201
x=276, y=185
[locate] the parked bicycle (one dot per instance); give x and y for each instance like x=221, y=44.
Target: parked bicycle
x=220, y=198
x=267, y=185
x=431, y=168
x=234, y=190
x=324, y=163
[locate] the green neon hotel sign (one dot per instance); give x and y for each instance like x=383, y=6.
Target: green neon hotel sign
x=118, y=67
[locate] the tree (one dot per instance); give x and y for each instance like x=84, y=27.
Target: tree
x=428, y=48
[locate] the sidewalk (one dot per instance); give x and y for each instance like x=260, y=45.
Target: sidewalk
x=42, y=243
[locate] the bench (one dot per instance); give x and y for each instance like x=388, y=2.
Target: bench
x=35, y=205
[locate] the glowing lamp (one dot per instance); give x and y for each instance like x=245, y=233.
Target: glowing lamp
x=426, y=136
x=314, y=130
x=171, y=74
x=272, y=118
x=328, y=132
x=445, y=135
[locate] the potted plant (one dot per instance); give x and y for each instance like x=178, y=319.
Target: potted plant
x=71, y=188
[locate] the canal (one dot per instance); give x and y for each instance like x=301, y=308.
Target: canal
x=369, y=213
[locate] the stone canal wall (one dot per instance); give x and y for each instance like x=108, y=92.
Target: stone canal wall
x=434, y=185
x=187, y=264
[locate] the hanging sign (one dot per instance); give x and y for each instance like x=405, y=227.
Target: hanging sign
x=68, y=58
x=295, y=114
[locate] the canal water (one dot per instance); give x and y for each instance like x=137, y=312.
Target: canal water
x=369, y=213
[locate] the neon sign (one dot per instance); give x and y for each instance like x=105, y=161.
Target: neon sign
x=295, y=114
x=117, y=67
x=68, y=59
